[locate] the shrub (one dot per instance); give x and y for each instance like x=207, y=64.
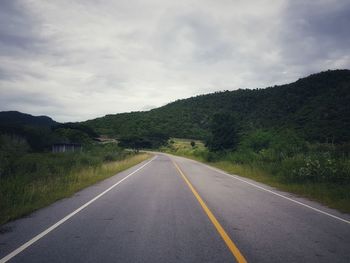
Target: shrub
x=257, y=140
x=322, y=167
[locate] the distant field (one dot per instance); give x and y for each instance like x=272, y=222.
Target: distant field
x=183, y=147
x=333, y=194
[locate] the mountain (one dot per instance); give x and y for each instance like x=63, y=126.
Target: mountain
x=35, y=130
x=15, y=118
x=317, y=107
x=40, y=132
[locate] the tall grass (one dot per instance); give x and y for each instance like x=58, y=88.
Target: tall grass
x=38, y=179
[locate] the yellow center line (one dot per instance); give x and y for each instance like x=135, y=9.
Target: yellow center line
x=232, y=247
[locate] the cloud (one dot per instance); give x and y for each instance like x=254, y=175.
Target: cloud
x=317, y=35
x=75, y=60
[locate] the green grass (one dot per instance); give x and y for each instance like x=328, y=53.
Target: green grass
x=23, y=193
x=182, y=147
x=331, y=194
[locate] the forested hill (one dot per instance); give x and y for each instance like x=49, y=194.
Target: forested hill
x=38, y=133
x=317, y=107
x=15, y=118
x=36, y=130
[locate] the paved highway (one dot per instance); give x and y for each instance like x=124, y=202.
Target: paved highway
x=170, y=209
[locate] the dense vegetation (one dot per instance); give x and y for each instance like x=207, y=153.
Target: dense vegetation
x=30, y=180
x=316, y=108
x=32, y=177
x=147, y=141
x=40, y=132
x=224, y=133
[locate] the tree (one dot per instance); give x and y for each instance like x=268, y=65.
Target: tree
x=134, y=142
x=150, y=141
x=224, y=132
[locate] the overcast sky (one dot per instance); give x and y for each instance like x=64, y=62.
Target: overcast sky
x=76, y=60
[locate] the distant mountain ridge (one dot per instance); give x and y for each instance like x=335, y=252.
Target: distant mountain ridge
x=317, y=107
x=41, y=132
x=16, y=118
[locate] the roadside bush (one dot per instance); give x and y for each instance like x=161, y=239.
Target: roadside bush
x=257, y=141
x=287, y=156
x=242, y=155
x=51, y=164
x=270, y=145
x=322, y=168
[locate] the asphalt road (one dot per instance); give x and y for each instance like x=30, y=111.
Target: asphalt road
x=150, y=213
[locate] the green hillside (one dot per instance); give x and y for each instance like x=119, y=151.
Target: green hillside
x=317, y=107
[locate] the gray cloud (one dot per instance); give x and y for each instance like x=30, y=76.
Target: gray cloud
x=75, y=60
x=315, y=35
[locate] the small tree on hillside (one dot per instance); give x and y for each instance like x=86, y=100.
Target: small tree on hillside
x=224, y=132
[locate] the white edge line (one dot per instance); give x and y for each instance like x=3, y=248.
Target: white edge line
x=45, y=232
x=267, y=190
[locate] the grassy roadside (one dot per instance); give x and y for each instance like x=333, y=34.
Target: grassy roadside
x=333, y=195
x=21, y=195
